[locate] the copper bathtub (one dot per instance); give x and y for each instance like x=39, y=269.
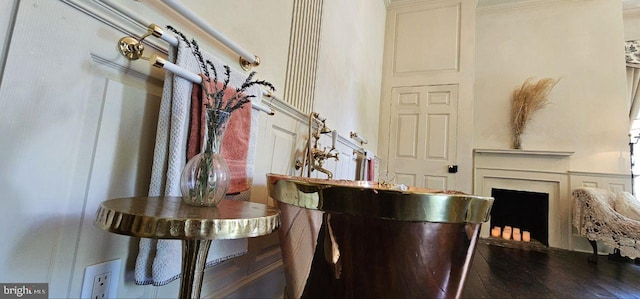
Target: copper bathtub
x=357, y=239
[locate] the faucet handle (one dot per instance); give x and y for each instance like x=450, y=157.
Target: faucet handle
x=334, y=155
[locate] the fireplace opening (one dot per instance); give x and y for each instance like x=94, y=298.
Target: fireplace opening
x=526, y=210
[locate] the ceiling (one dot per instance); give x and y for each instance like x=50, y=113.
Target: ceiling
x=626, y=4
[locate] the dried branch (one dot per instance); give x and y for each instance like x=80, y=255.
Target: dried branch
x=527, y=99
x=215, y=98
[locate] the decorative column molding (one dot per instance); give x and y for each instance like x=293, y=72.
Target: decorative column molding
x=304, y=47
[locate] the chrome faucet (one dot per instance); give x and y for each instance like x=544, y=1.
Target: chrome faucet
x=315, y=157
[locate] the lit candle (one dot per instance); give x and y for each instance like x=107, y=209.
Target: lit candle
x=526, y=236
x=506, y=233
x=516, y=236
x=495, y=232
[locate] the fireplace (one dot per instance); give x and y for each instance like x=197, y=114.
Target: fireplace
x=526, y=210
x=521, y=174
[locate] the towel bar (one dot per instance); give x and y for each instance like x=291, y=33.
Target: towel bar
x=246, y=60
x=355, y=136
x=133, y=49
x=171, y=67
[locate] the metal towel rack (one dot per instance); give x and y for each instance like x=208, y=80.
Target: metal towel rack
x=171, y=67
x=247, y=60
x=355, y=136
x=133, y=48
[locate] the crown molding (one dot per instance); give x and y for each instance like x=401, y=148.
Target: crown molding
x=403, y=3
x=493, y=6
x=631, y=12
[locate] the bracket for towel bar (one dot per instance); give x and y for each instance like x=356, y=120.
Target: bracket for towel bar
x=133, y=49
x=355, y=136
x=247, y=65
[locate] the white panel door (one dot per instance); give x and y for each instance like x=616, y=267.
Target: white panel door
x=422, y=137
x=428, y=60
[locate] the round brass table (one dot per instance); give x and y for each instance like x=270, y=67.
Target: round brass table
x=170, y=218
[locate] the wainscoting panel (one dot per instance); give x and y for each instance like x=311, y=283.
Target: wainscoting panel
x=611, y=182
x=282, y=145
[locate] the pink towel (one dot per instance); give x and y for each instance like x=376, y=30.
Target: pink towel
x=371, y=169
x=235, y=144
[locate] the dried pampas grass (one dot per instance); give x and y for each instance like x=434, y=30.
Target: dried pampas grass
x=527, y=99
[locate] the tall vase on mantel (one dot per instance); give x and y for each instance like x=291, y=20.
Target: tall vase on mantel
x=517, y=141
x=205, y=178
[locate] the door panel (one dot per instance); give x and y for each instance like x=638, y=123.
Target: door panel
x=423, y=135
x=435, y=182
x=407, y=136
x=437, y=135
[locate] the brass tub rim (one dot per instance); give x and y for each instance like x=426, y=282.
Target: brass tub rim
x=370, y=199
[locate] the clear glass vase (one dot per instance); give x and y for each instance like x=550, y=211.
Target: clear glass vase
x=517, y=141
x=205, y=178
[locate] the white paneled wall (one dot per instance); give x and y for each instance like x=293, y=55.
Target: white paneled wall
x=285, y=140
x=78, y=127
x=608, y=181
x=577, y=118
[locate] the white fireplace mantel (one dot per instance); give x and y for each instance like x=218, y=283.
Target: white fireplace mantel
x=523, y=152
x=523, y=160
x=529, y=170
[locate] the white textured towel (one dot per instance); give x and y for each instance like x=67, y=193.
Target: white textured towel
x=159, y=261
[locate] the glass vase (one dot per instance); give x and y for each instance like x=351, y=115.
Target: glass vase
x=517, y=141
x=205, y=178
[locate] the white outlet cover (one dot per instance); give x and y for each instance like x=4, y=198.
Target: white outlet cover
x=90, y=273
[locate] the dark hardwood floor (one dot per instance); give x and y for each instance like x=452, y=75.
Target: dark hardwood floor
x=503, y=272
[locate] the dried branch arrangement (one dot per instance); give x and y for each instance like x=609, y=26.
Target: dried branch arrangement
x=527, y=99
x=216, y=102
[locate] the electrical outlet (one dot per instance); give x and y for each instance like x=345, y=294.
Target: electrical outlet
x=100, y=288
x=100, y=280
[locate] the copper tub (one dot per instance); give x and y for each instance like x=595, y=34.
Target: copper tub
x=357, y=239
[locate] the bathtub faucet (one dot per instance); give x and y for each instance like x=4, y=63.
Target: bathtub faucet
x=315, y=157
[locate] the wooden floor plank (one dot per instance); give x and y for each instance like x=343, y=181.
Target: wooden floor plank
x=613, y=276
x=503, y=272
